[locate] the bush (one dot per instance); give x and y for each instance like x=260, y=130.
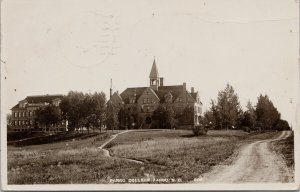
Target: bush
x=199, y=130
x=246, y=129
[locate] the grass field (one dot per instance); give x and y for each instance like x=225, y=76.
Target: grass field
x=175, y=153
x=285, y=148
x=165, y=153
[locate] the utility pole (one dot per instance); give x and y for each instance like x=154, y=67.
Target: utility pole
x=110, y=90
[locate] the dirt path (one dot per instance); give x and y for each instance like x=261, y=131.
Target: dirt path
x=112, y=137
x=254, y=163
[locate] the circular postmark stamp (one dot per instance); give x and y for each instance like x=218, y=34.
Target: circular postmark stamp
x=87, y=39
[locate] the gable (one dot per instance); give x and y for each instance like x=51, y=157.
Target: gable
x=116, y=99
x=129, y=92
x=190, y=98
x=148, y=96
x=175, y=90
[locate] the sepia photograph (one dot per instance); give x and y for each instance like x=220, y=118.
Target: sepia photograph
x=149, y=94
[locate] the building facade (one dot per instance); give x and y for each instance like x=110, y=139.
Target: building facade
x=143, y=101
x=24, y=113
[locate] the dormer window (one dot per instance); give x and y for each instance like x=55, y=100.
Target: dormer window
x=168, y=98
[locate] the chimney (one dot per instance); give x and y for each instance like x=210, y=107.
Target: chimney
x=184, y=92
x=192, y=90
x=161, y=81
x=110, y=90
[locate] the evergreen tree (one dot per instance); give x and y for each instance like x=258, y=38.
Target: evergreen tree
x=267, y=115
x=249, y=117
x=228, y=108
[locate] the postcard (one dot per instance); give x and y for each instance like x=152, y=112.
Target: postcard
x=149, y=95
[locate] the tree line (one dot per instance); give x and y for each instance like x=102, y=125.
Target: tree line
x=86, y=111
x=92, y=111
x=227, y=113
x=79, y=109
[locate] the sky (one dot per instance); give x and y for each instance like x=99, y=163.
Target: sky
x=54, y=46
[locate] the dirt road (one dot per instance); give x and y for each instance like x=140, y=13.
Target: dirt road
x=254, y=163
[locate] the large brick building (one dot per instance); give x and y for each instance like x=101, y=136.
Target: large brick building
x=147, y=99
x=24, y=113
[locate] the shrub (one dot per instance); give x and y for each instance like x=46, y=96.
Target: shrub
x=199, y=130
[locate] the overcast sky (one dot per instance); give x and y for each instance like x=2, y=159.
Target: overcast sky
x=54, y=46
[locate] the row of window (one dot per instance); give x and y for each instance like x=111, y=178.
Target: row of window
x=151, y=100
x=20, y=129
x=148, y=100
x=24, y=114
x=28, y=122
x=16, y=123
x=131, y=100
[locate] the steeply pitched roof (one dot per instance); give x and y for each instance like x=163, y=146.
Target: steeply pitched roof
x=129, y=92
x=194, y=95
x=154, y=72
x=39, y=99
x=42, y=98
x=175, y=90
x=15, y=107
x=117, y=95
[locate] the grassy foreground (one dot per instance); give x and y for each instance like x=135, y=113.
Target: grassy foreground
x=285, y=148
x=167, y=154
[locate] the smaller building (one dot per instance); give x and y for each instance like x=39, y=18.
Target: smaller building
x=24, y=113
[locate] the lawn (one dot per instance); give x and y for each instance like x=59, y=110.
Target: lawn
x=167, y=154
x=176, y=153
x=73, y=161
x=285, y=147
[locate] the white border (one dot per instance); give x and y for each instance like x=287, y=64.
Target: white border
x=97, y=187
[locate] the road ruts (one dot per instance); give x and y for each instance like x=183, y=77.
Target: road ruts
x=255, y=163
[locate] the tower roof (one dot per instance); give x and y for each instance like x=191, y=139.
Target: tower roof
x=154, y=71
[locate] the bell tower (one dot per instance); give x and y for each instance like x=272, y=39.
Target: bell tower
x=154, y=77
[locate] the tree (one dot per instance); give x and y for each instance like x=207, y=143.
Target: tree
x=122, y=118
x=228, y=108
x=84, y=110
x=48, y=115
x=186, y=117
x=99, y=110
x=8, y=120
x=267, y=115
x=131, y=117
x=282, y=125
x=208, y=117
x=249, y=117
x=71, y=109
x=216, y=121
x=111, y=116
x=164, y=115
